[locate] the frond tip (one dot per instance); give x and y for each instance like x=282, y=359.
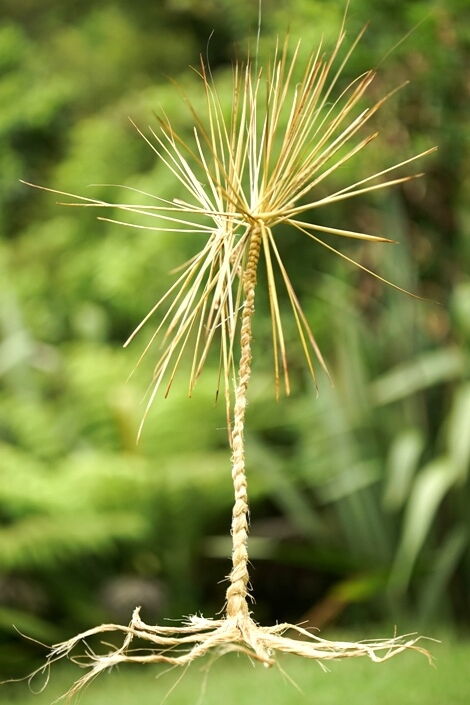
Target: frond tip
x=257, y=168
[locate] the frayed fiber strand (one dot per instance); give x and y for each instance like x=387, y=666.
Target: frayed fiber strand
x=242, y=177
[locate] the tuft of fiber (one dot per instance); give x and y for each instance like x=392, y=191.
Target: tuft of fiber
x=197, y=636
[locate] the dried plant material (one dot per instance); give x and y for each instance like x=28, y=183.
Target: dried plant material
x=244, y=175
x=179, y=646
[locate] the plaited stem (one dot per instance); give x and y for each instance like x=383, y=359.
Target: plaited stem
x=238, y=589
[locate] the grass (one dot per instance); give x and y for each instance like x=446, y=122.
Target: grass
x=406, y=680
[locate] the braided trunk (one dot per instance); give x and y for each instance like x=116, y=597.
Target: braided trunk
x=237, y=605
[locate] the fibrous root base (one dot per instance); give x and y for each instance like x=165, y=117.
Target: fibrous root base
x=180, y=645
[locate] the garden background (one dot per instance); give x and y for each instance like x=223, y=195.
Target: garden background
x=360, y=496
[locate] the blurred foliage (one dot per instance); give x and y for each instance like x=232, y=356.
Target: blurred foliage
x=359, y=497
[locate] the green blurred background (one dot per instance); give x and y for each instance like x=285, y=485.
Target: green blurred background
x=360, y=497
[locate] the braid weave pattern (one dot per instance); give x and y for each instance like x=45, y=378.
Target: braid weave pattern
x=238, y=589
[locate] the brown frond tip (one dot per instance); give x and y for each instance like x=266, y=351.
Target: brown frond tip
x=248, y=172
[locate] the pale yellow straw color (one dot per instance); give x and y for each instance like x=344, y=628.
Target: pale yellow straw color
x=243, y=176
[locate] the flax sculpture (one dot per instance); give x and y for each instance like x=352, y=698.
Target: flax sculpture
x=244, y=175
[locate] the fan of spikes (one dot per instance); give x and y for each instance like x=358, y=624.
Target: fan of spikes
x=242, y=176
x=250, y=173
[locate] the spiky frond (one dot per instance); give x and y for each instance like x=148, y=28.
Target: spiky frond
x=252, y=171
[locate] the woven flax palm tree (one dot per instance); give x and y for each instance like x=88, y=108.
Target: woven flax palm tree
x=243, y=176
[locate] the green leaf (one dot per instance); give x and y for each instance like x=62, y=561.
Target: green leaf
x=28, y=624
x=458, y=431
x=353, y=479
x=42, y=541
x=402, y=463
x=443, y=568
x=429, y=489
x=422, y=372
x=286, y=491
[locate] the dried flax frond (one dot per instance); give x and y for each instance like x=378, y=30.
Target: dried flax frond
x=259, y=167
x=242, y=176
